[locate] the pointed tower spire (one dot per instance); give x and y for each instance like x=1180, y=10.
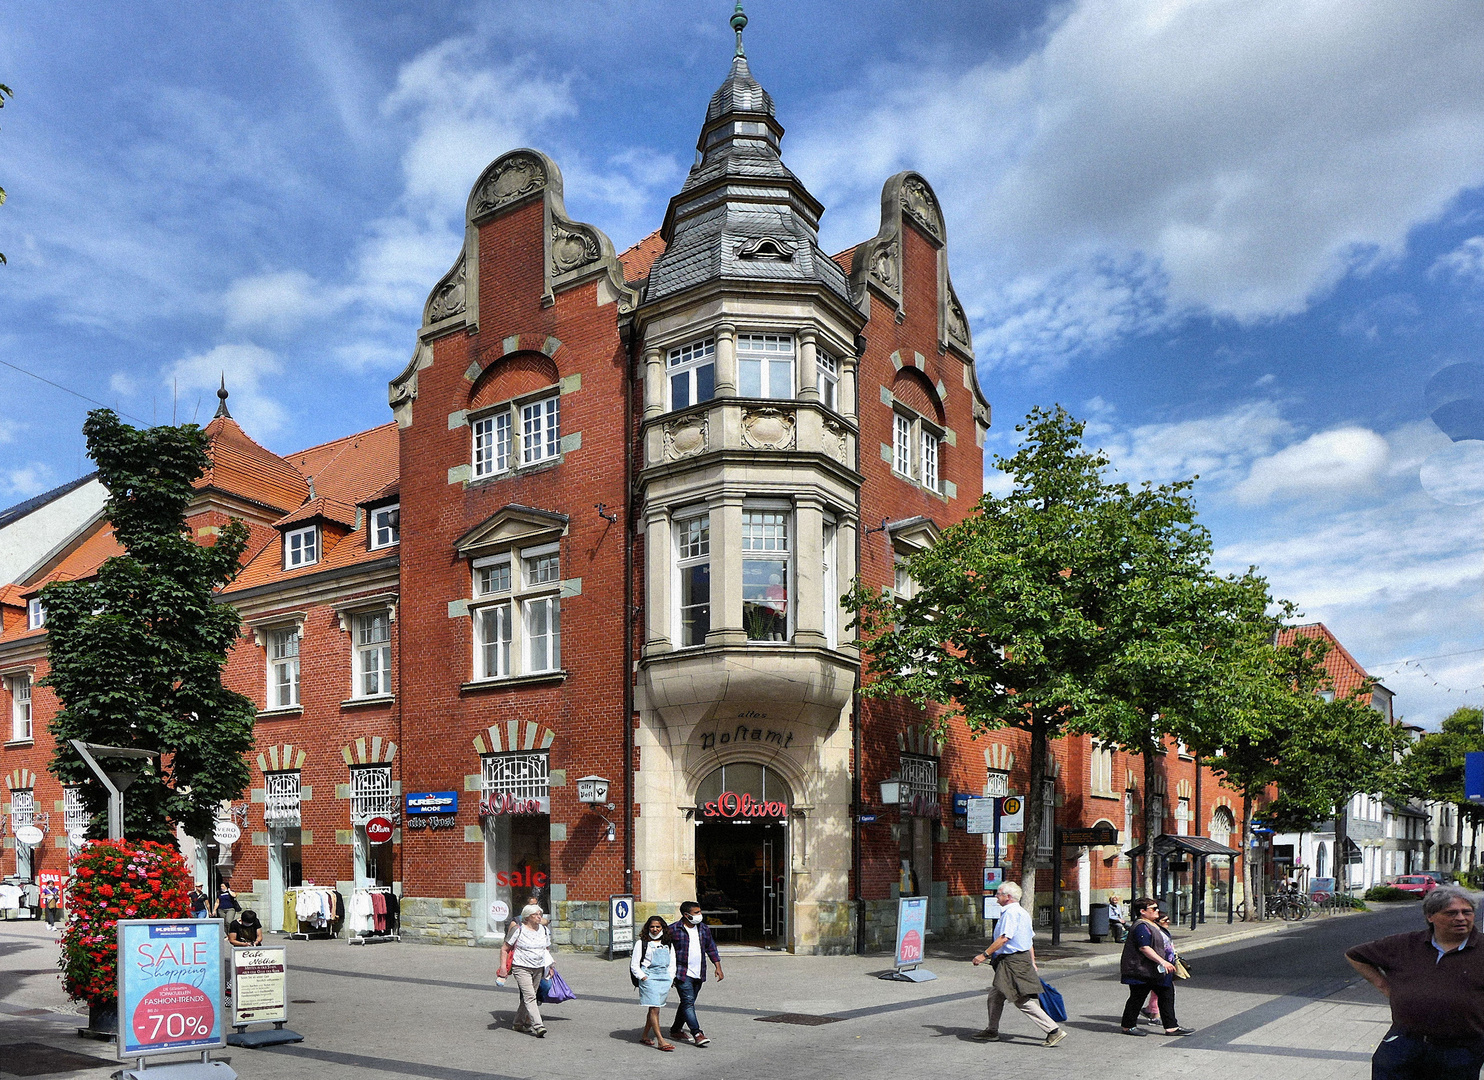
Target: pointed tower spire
x=221, y=396
x=739, y=23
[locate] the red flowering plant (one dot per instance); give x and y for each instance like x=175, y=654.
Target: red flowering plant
x=113, y=880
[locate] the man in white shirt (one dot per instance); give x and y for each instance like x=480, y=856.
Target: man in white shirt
x=1014, y=961
x=693, y=946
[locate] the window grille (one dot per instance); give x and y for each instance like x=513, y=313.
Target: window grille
x=22, y=808
x=920, y=782
x=74, y=813
x=1048, y=816
x=371, y=794
x=281, y=800
x=521, y=776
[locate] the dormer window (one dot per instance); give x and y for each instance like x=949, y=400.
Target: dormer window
x=35, y=615
x=300, y=547
x=386, y=526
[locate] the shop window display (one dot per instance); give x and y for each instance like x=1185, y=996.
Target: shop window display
x=515, y=814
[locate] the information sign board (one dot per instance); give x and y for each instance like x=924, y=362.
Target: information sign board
x=992, y=909
x=911, y=930
x=259, y=985
x=1011, y=813
x=171, y=986
x=994, y=877
x=1473, y=776
x=981, y=813
x=620, y=924
x=1097, y=836
x=379, y=830
x=29, y=835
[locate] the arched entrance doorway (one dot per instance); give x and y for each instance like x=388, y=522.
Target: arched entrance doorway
x=742, y=853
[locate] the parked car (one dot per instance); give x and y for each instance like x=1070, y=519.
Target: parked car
x=1421, y=884
x=1437, y=875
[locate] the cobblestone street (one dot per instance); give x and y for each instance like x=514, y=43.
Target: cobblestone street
x=1282, y=1003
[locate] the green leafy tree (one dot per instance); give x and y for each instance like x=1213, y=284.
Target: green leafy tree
x=1073, y=604
x=136, y=654
x=1434, y=768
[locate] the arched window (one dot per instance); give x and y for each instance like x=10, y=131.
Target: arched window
x=1321, y=861
x=745, y=778
x=1223, y=824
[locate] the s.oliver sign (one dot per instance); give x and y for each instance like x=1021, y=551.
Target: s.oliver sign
x=732, y=806
x=496, y=803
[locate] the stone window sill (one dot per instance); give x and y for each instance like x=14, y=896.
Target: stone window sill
x=1104, y=795
x=17, y=744
x=277, y=714
x=377, y=699
x=514, y=681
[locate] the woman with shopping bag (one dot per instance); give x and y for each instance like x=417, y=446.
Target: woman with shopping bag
x=1148, y=966
x=530, y=958
x=652, y=969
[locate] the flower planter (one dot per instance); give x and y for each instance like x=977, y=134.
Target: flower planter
x=103, y=1021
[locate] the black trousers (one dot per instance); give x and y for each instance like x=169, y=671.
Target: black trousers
x=1165, y=995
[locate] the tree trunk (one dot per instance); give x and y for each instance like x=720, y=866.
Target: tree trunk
x=1030, y=840
x=1342, y=835
x=1249, y=895
x=1153, y=810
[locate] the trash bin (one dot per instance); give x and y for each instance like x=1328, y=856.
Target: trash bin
x=1097, y=922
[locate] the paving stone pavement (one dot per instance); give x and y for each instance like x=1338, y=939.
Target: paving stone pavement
x=1280, y=1004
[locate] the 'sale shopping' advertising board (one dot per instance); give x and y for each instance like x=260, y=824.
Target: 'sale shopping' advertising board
x=171, y=986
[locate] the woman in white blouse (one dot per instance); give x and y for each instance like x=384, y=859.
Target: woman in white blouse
x=530, y=943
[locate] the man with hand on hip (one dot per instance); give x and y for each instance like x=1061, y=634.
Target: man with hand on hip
x=693, y=945
x=1015, y=975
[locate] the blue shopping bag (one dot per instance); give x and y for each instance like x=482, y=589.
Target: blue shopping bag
x=1050, y=999
x=553, y=989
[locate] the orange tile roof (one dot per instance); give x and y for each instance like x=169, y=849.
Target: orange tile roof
x=1344, y=671
x=243, y=467
x=329, y=509
x=82, y=562
x=639, y=258
x=352, y=469
x=846, y=257
x=11, y=594
x=266, y=567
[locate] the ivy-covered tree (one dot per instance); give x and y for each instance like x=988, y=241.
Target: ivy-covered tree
x=136, y=653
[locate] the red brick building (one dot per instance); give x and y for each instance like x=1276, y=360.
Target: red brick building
x=605, y=536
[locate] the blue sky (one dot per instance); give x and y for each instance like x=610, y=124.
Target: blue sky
x=1239, y=237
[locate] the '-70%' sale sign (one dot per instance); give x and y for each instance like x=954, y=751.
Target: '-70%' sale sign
x=170, y=986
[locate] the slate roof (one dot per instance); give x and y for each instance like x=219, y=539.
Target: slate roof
x=741, y=214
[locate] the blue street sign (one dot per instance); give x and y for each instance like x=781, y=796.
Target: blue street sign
x=1473, y=776
x=961, y=803
x=433, y=802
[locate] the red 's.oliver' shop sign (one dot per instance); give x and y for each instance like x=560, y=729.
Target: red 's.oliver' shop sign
x=508, y=804
x=733, y=806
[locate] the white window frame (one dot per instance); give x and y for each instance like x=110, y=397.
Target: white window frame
x=517, y=596
x=827, y=375
x=22, y=808
x=684, y=364
x=371, y=793
x=772, y=356
x=1102, y=770
x=541, y=430
x=372, y=667
x=692, y=540
x=296, y=552
x=35, y=614
x=1182, y=816
x=282, y=662
x=74, y=813
x=21, y=713
x=901, y=445
x=917, y=449
x=928, y=460
x=386, y=526
x=282, y=799
x=830, y=548
x=516, y=434
x=771, y=528
x=493, y=442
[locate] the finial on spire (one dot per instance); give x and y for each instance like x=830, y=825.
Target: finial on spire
x=739, y=22
x=221, y=395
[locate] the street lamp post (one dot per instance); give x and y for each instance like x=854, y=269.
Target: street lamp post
x=117, y=781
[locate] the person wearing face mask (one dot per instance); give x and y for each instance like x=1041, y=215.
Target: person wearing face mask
x=530, y=944
x=652, y=965
x=693, y=945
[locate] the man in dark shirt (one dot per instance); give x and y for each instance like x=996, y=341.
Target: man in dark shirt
x=1434, y=979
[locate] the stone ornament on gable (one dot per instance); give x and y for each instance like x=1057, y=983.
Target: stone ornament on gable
x=685, y=438
x=767, y=248
x=884, y=264
x=571, y=249
x=958, y=325
x=513, y=178
x=768, y=429
x=918, y=201
x=448, y=297
x=835, y=442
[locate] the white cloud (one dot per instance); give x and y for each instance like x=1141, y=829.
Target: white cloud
x=1253, y=152
x=1341, y=461
x=278, y=304
x=121, y=382
x=1466, y=261
x=26, y=480
x=248, y=369
x=1217, y=448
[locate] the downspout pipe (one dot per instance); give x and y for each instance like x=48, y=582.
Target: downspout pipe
x=626, y=726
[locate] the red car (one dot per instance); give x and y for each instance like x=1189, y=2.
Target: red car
x=1420, y=884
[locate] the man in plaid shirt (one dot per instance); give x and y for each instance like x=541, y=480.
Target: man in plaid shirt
x=693, y=945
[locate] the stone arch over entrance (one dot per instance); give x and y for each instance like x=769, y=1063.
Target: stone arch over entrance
x=744, y=828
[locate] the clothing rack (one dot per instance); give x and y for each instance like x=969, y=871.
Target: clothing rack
x=374, y=903
x=316, y=933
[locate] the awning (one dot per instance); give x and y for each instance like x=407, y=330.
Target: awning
x=1167, y=844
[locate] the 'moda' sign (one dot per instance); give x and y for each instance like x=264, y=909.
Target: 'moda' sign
x=743, y=807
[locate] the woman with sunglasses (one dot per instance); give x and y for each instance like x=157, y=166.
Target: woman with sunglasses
x=1147, y=967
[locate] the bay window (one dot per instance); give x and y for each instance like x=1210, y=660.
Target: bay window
x=692, y=373
x=693, y=561
x=765, y=366
x=765, y=574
